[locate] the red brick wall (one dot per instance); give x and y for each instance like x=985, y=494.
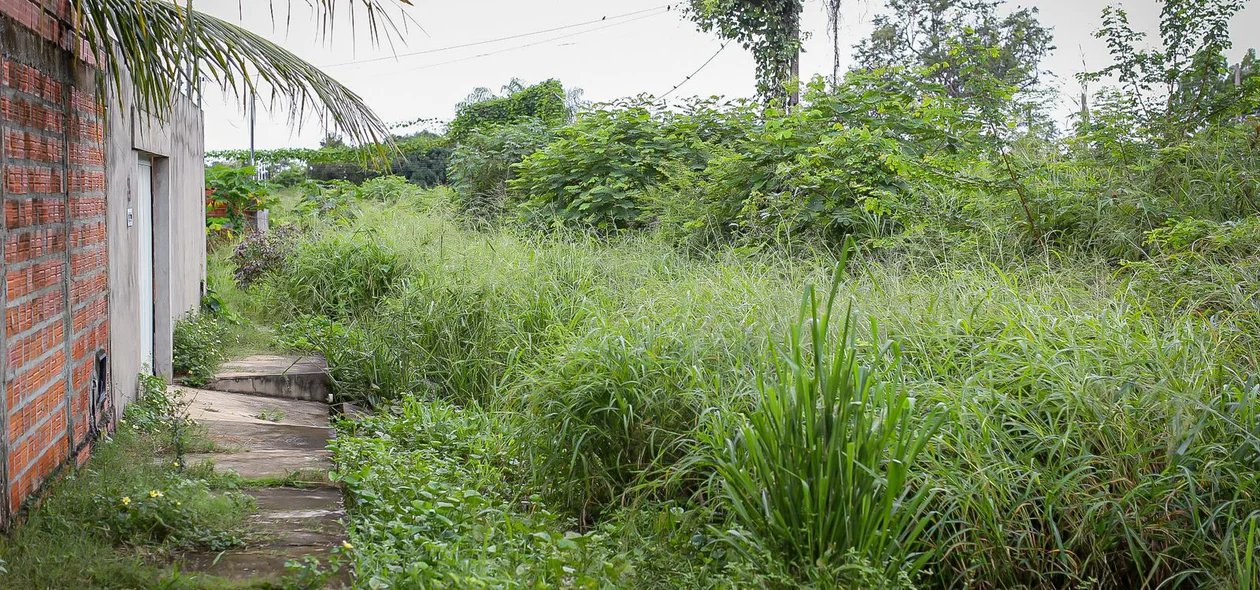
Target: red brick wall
x=55, y=261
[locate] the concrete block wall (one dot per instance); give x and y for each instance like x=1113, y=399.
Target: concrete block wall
x=56, y=309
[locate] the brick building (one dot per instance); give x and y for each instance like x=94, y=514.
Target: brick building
x=103, y=232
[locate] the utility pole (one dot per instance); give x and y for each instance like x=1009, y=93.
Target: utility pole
x=253, y=122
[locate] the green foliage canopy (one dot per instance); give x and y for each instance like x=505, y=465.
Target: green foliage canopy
x=935, y=35
x=1175, y=89
x=545, y=101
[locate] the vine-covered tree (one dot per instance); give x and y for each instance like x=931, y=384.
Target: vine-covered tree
x=546, y=101
x=165, y=45
x=950, y=38
x=770, y=29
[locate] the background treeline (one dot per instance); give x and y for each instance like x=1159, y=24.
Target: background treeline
x=940, y=135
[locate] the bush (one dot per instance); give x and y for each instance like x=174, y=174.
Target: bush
x=384, y=188
x=484, y=163
x=239, y=190
x=592, y=174
x=199, y=348
x=835, y=166
x=290, y=176
x=262, y=254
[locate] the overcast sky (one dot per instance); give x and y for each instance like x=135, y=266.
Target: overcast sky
x=649, y=50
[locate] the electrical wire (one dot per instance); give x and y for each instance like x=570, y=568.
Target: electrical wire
x=665, y=7
x=698, y=70
x=544, y=41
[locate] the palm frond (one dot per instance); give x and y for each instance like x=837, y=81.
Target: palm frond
x=160, y=46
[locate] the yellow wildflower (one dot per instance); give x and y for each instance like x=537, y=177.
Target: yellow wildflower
x=155, y=494
x=347, y=545
x=126, y=500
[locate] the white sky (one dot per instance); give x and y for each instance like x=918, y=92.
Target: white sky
x=646, y=53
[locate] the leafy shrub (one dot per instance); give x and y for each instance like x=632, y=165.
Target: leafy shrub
x=199, y=348
x=290, y=176
x=157, y=410
x=842, y=163
x=238, y=189
x=421, y=159
x=830, y=186
x=261, y=254
x=483, y=164
x=337, y=274
x=592, y=173
x=332, y=200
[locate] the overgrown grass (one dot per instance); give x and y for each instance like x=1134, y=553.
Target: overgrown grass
x=1094, y=431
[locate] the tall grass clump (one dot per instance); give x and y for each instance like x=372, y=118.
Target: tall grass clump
x=822, y=471
x=425, y=338
x=338, y=274
x=619, y=402
x=1088, y=438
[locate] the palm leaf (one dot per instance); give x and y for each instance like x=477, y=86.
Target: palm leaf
x=162, y=47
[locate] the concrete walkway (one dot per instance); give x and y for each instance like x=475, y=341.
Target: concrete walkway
x=278, y=447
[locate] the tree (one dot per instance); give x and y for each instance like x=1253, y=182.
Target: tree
x=163, y=46
x=1177, y=88
x=948, y=38
x=770, y=29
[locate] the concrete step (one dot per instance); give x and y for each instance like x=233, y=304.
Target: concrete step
x=298, y=517
x=250, y=409
x=286, y=377
x=291, y=524
x=268, y=417
x=305, y=466
x=238, y=437
x=259, y=566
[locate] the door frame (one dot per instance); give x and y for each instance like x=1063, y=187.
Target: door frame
x=146, y=271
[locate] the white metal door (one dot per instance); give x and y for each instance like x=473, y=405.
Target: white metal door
x=144, y=258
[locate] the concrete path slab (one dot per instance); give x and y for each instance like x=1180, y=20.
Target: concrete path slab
x=205, y=404
x=237, y=437
x=299, y=517
x=269, y=419
x=289, y=377
x=256, y=566
x=270, y=465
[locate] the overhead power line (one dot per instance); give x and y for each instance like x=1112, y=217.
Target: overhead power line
x=698, y=70
x=535, y=43
x=665, y=7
